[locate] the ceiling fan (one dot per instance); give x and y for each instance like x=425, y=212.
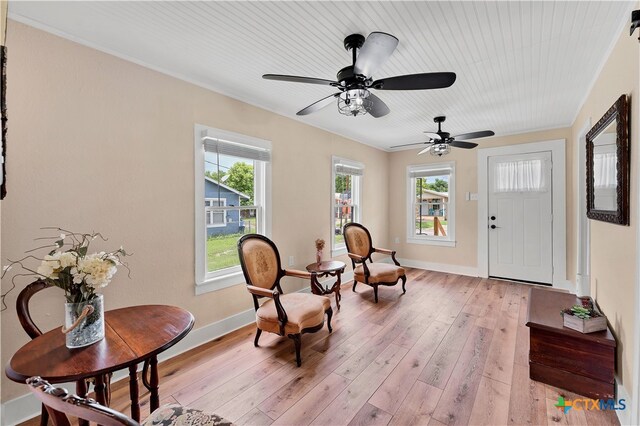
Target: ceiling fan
x=355, y=81
x=440, y=142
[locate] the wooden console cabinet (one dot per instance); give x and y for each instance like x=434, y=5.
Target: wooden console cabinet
x=565, y=358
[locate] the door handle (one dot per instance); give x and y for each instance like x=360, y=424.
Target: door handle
x=494, y=227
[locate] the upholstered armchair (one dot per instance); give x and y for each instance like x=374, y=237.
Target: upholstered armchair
x=360, y=248
x=288, y=315
x=60, y=404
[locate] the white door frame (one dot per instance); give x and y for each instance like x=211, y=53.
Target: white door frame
x=583, y=264
x=559, y=231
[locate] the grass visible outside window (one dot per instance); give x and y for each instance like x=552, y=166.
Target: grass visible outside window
x=222, y=252
x=428, y=223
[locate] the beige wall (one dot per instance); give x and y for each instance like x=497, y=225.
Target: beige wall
x=98, y=143
x=614, y=247
x=465, y=253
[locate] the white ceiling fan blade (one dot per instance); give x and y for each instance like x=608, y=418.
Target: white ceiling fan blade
x=427, y=149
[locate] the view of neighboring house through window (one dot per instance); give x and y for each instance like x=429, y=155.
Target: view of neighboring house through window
x=430, y=211
x=347, y=184
x=215, y=217
x=233, y=200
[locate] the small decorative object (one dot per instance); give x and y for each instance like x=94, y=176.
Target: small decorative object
x=319, y=248
x=69, y=267
x=585, y=317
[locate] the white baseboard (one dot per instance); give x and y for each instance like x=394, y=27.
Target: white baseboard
x=471, y=271
x=624, y=416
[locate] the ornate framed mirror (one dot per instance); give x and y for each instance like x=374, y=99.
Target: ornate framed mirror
x=608, y=166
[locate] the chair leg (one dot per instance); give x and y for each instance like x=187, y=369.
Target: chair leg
x=329, y=313
x=258, y=333
x=375, y=292
x=297, y=341
x=404, y=281
x=44, y=416
x=354, y=286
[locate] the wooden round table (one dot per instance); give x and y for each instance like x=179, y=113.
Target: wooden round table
x=333, y=268
x=132, y=335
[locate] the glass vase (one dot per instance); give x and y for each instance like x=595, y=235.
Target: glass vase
x=319, y=257
x=89, y=329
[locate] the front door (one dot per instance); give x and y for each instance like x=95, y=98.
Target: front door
x=520, y=219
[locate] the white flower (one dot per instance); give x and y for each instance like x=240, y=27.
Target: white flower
x=95, y=269
x=67, y=259
x=50, y=266
x=63, y=236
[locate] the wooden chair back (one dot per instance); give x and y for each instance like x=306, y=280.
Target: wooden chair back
x=60, y=403
x=22, y=307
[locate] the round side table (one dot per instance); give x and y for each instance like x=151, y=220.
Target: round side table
x=333, y=268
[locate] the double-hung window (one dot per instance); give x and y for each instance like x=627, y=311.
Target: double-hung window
x=431, y=204
x=346, y=202
x=232, y=175
x=215, y=217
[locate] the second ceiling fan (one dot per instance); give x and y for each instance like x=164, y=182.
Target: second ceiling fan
x=355, y=81
x=440, y=142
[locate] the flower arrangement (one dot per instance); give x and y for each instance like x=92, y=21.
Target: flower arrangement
x=320, y=244
x=69, y=266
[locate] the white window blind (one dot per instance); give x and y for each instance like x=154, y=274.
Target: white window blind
x=235, y=149
x=429, y=173
x=344, y=169
x=520, y=176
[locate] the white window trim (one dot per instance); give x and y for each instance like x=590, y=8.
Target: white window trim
x=224, y=221
x=450, y=239
x=341, y=249
x=211, y=281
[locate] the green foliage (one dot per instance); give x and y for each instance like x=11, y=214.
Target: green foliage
x=241, y=178
x=439, y=185
x=581, y=312
x=216, y=175
x=343, y=183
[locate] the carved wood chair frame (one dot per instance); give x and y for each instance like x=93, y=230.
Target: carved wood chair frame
x=362, y=260
x=274, y=293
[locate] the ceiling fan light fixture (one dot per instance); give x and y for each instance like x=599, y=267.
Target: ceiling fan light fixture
x=440, y=149
x=354, y=102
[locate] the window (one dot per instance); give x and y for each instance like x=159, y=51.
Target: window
x=232, y=184
x=345, y=201
x=431, y=204
x=215, y=217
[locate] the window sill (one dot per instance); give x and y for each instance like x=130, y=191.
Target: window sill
x=431, y=242
x=219, y=283
x=338, y=252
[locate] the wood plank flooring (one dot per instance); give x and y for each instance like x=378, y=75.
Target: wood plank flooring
x=452, y=350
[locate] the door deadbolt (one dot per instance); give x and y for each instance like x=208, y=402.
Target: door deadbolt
x=493, y=218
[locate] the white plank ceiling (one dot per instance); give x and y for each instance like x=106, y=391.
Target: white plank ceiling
x=521, y=66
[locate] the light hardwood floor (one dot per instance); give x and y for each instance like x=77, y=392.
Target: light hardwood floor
x=452, y=350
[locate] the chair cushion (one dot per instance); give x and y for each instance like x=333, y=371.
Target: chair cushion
x=182, y=416
x=379, y=273
x=303, y=311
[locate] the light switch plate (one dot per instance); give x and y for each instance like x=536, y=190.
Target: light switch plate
x=474, y=196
